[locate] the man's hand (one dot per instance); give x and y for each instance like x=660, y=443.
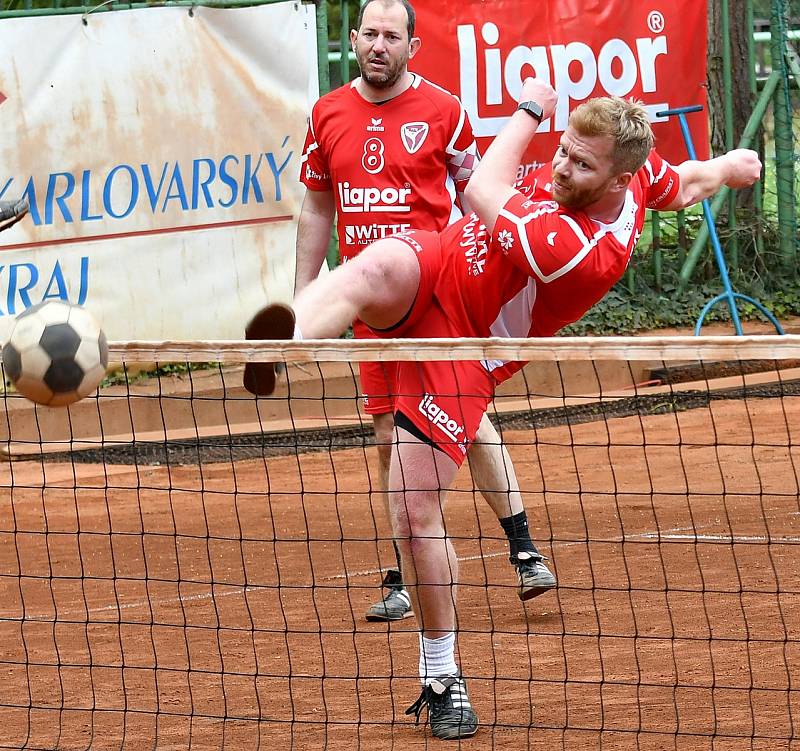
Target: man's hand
x=541, y=92
x=744, y=166
x=11, y=212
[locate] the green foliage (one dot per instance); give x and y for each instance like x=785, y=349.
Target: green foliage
x=624, y=312
x=125, y=376
x=641, y=301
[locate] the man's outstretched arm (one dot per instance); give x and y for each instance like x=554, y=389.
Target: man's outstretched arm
x=739, y=168
x=492, y=183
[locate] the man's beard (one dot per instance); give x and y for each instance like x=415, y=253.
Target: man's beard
x=579, y=199
x=384, y=79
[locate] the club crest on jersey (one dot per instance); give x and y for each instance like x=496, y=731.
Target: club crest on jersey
x=376, y=126
x=413, y=136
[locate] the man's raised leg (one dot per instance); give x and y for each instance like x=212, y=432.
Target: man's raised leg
x=379, y=287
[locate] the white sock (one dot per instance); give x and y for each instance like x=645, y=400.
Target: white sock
x=437, y=658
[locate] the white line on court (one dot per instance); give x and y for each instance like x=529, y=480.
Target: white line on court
x=679, y=534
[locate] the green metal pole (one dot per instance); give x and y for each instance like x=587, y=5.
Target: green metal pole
x=727, y=91
x=753, y=124
x=682, y=242
x=332, y=256
x=784, y=154
x=758, y=197
x=344, y=62
x=655, y=224
x=322, y=47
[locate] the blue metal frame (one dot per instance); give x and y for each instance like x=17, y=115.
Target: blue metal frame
x=728, y=295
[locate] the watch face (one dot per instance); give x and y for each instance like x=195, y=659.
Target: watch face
x=532, y=109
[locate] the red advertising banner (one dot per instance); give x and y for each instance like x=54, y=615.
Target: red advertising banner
x=653, y=51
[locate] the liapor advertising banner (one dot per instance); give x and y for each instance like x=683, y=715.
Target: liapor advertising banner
x=653, y=51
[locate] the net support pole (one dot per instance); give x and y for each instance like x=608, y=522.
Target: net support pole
x=753, y=124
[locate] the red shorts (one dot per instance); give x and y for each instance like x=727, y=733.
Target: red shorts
x=378, y=379
x=445, y=401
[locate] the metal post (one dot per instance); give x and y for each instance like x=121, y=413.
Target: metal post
x=784, y=155
x=655, y=224
x=753, y=124
x=322, y=47
x=758, y=188
x=344, y=61
x=682, y=242
x=728, y=295
x=727, y=93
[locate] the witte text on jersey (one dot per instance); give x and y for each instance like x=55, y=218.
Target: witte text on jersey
x=364, y=234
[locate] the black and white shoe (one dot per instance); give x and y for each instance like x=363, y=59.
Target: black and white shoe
x=450, y=714
x=397, y=603
x=533, y=575
x=12, y=211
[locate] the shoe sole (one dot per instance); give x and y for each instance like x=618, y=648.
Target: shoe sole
x=529, y=594
x=457, y=732
x=272, y=322
x=372, y=617
x=456, y=735
x=15, y=214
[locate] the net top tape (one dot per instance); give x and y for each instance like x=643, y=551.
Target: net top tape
x=704, y=348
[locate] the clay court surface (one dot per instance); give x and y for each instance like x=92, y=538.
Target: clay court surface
x=221, y=605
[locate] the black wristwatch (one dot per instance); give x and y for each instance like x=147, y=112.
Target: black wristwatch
x=533, y=109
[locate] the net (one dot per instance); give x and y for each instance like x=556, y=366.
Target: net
x=183, y=565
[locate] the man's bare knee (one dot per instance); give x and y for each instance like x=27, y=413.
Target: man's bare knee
x=389, y=271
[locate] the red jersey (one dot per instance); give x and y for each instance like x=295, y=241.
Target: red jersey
x=391, y=166
x=544, y=265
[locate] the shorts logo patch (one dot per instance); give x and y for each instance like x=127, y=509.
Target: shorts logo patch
x=440, y=419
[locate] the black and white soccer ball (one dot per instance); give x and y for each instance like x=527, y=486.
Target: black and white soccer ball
x=56, y=353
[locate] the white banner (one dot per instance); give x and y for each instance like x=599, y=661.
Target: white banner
x=159, y=149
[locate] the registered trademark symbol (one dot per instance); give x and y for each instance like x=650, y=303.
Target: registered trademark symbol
x=655, y=22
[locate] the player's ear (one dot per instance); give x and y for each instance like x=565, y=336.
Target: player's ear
x=413, y=46
x=622, y=181
x=353, y=37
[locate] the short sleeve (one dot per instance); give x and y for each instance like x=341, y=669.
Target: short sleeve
x=663, y=181
x=539, y=238
x=314, y=170
x=462, y=150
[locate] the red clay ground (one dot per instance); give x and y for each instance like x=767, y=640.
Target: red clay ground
x=222, y=606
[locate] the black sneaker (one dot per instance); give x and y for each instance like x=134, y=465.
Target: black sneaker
x=397, y=603
x=449, y=712
x=534, y=577
x=12, y=211
x=272, y=322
